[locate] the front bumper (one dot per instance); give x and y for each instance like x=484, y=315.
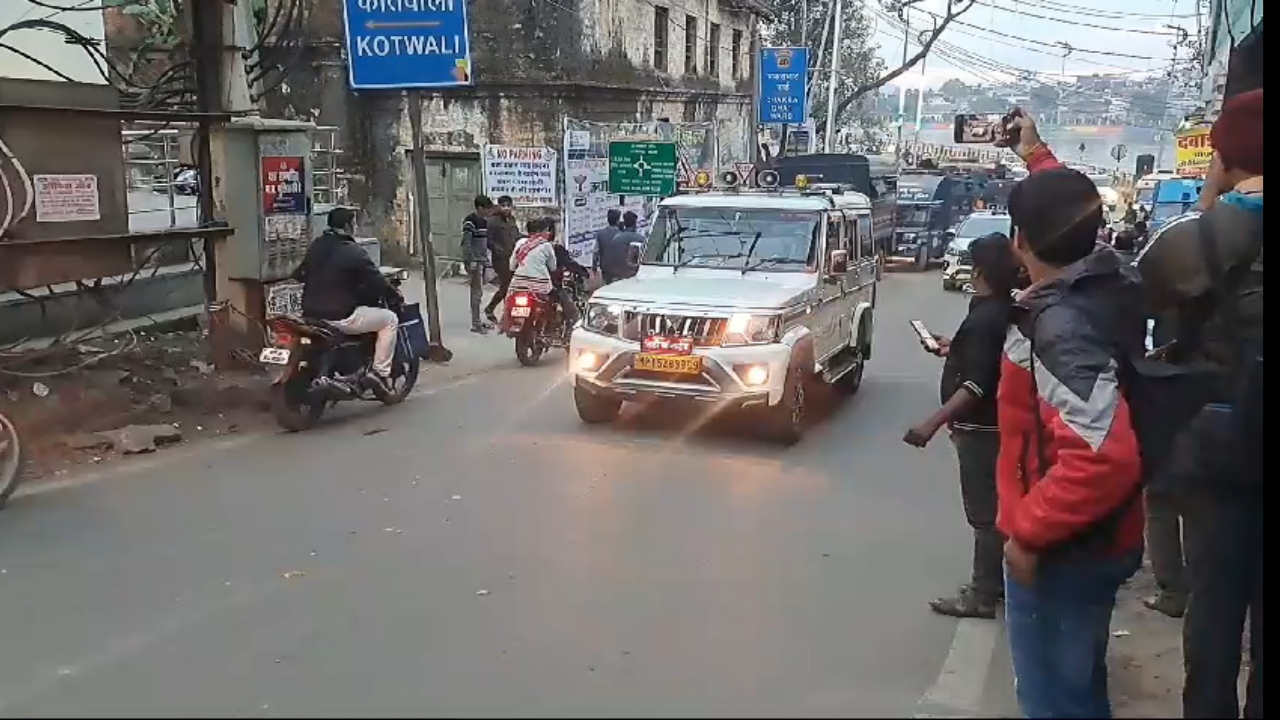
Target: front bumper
x=722, y=380
x=956, y=271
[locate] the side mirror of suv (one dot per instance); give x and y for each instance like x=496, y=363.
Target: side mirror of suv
x=633, y=253
x=837, y=264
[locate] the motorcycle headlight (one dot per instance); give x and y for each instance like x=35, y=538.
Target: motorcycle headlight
x=603, y=318
x=744, y=329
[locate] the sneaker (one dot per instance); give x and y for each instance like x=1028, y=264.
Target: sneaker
x=1167, y=603
x=480, y=329
x=966, y=604
x=490, y=316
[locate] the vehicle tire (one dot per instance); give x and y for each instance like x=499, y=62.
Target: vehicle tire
x=595, y=409
x=850, y=382
x=785, y=422
x=948, y=286
x=10, y=460
x=291, y=412
x=528, y=350
x=922, y=259
x=403, y=379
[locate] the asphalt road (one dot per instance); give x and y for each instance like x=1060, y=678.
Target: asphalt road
x=478, y=552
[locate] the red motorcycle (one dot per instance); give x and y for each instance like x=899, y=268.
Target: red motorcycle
x=536, y=323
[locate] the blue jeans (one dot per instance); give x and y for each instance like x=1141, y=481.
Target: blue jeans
x=1058, y=631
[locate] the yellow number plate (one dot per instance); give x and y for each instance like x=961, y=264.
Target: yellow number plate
x=683, y=364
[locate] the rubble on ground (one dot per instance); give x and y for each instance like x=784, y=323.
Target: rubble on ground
x=124, y=395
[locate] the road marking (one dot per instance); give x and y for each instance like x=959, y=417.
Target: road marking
x=960, y=685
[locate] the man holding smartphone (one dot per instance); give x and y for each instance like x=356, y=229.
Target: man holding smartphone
x=968, y=391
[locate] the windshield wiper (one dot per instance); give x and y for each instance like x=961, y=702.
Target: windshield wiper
x=780, y=260
x=750, y=249
x=688, y=260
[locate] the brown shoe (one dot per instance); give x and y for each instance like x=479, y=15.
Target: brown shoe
x=966, y=604
x=1166, y=603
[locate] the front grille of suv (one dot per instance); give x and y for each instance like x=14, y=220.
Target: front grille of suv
x=703, y=331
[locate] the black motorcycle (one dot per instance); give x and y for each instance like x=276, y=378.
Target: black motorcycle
x=537, y=324
x=317, y=366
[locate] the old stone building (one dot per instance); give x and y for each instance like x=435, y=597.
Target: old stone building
x=536, y=63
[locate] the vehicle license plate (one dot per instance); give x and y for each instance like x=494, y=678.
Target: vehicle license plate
x=274, y=356
x=520, y=311
x=682, y=364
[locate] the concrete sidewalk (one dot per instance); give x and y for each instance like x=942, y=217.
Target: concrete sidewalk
x=472, y=353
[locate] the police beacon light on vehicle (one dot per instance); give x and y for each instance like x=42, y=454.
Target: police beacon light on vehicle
x=742, y=300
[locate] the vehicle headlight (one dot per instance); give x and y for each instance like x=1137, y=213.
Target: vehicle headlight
x=744, y=329
x=953, y=249
x=908, y=237
x=603, y=318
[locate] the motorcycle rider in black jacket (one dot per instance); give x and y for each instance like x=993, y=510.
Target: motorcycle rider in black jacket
x=343, y=286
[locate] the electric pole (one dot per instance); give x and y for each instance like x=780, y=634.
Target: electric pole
x=905, y=17
x=829, y=136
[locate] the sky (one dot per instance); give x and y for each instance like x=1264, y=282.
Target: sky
x=1002, y=34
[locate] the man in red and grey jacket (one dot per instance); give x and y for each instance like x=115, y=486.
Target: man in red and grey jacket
x=1068, y=472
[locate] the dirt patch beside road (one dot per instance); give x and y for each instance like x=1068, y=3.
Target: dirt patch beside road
x=71, y=404
x=1146, y=655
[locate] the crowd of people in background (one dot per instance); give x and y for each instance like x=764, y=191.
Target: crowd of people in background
x=1075, y=431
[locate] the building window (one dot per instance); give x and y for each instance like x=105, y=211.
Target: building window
x=713, y=50
x=690, y=45
x=735, y=53
x=661, y=21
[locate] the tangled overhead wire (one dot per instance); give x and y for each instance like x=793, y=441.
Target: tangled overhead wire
x=282, y=42
x=173, y=88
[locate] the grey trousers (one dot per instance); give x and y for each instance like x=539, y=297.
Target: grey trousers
x=977, y=452
x=475, y=277
x=1164, y=541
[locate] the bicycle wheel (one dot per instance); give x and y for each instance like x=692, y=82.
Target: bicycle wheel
x=10, y=459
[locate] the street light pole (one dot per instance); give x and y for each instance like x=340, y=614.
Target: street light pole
x=829, y=137
x=422, y=228
x=1168, y=94
x=902, y=89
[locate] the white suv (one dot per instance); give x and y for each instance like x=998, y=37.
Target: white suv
x=957, y=265
x=741, y=300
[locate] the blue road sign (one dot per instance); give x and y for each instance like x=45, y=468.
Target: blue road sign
x=405, y=44
x=784, y=75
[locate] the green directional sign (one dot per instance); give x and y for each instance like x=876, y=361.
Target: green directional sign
x=642, y=168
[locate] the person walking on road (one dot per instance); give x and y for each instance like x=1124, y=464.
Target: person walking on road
x=604, y=240
x=969, y=379
x=475, y=255
x=503, y=233
x=629, y=236
x=612, y=250
x=1068, y=477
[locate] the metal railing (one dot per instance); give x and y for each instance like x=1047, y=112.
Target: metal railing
x=161, y=185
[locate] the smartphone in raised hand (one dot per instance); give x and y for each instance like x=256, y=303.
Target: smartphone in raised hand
x=926, y=337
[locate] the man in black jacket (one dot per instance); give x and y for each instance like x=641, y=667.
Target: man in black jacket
x=342, y=285
x=1204, y=275
x=968, y=389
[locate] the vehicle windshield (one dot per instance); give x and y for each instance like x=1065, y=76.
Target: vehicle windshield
x=1146, y=195
x=976, y=226
x=773, y=240
x=1164, y=212
x=910, y=215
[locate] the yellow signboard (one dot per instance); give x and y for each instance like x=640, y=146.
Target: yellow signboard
x=1194, y=152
